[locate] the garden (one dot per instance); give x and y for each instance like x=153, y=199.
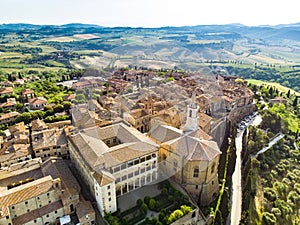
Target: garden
x=163, y=209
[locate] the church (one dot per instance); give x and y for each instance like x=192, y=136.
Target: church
x=189, y=156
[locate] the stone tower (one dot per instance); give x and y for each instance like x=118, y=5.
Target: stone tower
x=192, y=115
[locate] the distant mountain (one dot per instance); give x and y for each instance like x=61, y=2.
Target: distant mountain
x=186, y=46
x=278, y=32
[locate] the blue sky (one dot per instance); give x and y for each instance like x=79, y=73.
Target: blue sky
x=150, y=13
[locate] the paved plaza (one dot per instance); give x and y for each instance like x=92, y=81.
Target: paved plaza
x=128, y=200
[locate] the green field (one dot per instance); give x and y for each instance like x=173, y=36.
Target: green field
x=273, y=84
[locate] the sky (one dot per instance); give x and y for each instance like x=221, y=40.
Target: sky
x=150, y=13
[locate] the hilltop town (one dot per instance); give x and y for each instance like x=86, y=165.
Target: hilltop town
x=113, y=141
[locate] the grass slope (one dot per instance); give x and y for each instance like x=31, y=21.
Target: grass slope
x=273, y=84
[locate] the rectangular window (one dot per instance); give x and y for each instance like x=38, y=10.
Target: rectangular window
x=137, y=161
x=130, y=163
x=175, y=166
x=117, y=169
x=123, y=166
x=196, y=172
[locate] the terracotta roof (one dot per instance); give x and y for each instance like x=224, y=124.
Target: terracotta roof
x=103, y=177
x=81, y=84
x=96, y=153
x=18, y=127
x=9, y=115
x=6, y=90
x=200, y=134
x=193, y=148
x=125, y=152
x=164, y=133
x=17, y=151
x=23, y=192
x=48, y=138
x=204, y=119
x=57, y=168
x=38, y=125
x=37, y=100
x=8, y=103
x=27, y=92
x=20, y=171
x=84, y=208
x=69, y=97
x=81, y=114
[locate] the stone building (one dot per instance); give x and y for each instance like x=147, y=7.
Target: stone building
x=16, y=148
x=37, y=103
x=189, y=156
x=33, y=192
x=27, y=94
x=49, y=142
x=139, y=119
x=6, y=91
x=10, y=104
x=8, y=117
x=85, y=213
x=113, y=160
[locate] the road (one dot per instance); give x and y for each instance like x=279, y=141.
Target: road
x=236, y=195
x=278, y=137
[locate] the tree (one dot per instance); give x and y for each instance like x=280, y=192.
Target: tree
x=152, y=204
x=268, y=218
x=288, y=93
x=218, y=219
x=186, y=209
x=139, y=202
x=175, y=215
x=58, y=108
x=26, y=117
x=224, y=205
x=270, y=194
x=295, y=102
x=147, y=199
x=144, y=208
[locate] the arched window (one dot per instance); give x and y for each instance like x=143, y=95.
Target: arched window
x=213, y=168
x=196, y=172
x=190, y=113
x=164, y=158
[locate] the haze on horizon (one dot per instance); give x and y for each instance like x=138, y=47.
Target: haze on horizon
x=150, y=13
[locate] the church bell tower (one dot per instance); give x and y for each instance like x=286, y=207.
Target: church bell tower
x=192, y=116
